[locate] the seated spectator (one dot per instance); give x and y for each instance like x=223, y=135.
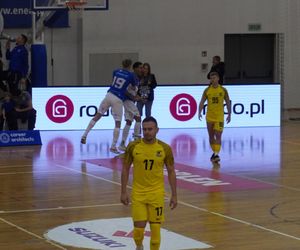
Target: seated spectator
x=7, y=119
x=24, y=110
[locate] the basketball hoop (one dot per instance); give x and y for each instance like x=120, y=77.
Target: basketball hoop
x=75, y=5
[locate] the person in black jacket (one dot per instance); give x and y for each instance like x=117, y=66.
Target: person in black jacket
x=146, y=90
x=219, y=67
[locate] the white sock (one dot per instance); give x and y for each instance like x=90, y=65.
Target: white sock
x=137, y=129
x=125, y=133
x=89, y=127
x=115, y=136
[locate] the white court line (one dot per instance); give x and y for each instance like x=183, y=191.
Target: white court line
x=15, y=166
x=290, y=142
x=32, y=234
x=58, y=208
x=266, y=182
x=32, y=172
x=240, y=221
x=195, y=207
x=91, y=175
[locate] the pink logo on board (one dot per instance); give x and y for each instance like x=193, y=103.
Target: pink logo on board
x=59, y=108
x=183, y=107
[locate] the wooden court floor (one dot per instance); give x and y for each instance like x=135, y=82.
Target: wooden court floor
x=250, y=202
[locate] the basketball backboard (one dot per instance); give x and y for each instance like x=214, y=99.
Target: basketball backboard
x=52, y=5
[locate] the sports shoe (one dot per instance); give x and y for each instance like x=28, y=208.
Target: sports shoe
x=217, y=158
x=140, y=247
x=122, y=147
x=212, y=157
x=83, y=140
x=114, y=150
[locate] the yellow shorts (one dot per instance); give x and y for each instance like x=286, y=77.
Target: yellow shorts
x=217, y=125
x=149, y=207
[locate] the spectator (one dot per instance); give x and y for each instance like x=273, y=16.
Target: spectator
x=146, y=90
x=18, y=63
x=2, y=85
x=7, y=120
x=24, y=110
x=219, y=67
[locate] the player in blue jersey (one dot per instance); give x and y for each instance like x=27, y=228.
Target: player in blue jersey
x=131, y=110
x=114, y=98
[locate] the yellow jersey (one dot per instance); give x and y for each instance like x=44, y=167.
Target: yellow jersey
x=148, y=165
x=215, y=103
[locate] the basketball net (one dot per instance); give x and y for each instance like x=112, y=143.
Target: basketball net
x=75, y=5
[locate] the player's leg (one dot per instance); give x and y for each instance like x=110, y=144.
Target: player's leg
x=140, y=106
x=211, y=135
x=125, y=133
x=103, y=107
x=117, y=113
x=92, y=124
x=156, y=217
x=133, y=110
x=148, y=107
x=128, y=119
x=137, y=127
x=140, y=217
x=137, y=117
x=218, y=129
x=155, y=235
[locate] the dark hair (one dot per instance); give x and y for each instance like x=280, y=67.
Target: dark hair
x=214, y=73
x=149, y=67
x=218, y=58
x=150, y=119
x=126, y=63
x=25, y=38
x=136, y=65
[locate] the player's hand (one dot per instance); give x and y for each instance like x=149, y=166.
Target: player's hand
x=200, y=116
x=173, y=202
x=125, y=199
x=137, y=98
x=228, y=119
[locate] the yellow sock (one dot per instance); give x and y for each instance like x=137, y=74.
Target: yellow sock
x=217, y=148
x=138, y=235
x=155, y=236
x=212, y=145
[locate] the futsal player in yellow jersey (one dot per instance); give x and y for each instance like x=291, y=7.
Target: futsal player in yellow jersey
x=149, y=156
x=215, y=95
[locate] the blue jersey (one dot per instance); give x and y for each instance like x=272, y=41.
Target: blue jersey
x=136, y=83
x=18, y=60
x=121, y=79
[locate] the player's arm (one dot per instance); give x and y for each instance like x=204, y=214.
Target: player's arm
x=228, y=105
x=124, y=182
x=173, y=185
x=201, y=105
x=132, y=97
x=127, y=161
